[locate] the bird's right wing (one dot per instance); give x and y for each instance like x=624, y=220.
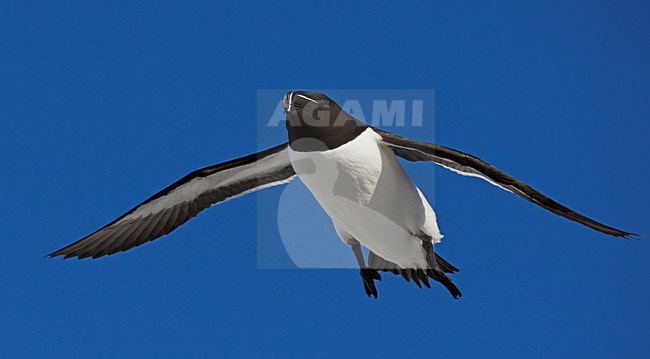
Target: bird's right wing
x=171, y=207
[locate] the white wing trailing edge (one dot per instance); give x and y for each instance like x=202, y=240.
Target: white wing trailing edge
x=184, y=199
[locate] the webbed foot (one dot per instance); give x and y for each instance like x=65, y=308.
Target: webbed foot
x=369, y=275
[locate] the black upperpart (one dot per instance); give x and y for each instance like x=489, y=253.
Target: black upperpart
x=317, y=123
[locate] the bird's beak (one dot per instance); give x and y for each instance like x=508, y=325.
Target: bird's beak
x=287, y=101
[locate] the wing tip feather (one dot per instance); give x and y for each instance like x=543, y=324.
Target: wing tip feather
x=633, y=236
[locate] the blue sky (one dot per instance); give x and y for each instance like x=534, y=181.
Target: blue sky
x=103, y=104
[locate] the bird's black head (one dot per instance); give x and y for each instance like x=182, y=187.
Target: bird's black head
x=317, y=123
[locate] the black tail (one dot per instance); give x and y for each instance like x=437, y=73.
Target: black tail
x=436, y=271
x=441, y=277
x=445, y=266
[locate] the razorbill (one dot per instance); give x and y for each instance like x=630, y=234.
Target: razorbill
x=353, y=172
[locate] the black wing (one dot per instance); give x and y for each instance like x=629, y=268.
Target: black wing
x=178, y=203
x=469, y=165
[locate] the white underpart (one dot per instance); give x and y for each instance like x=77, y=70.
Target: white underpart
x=370, y=198
x=192, y=189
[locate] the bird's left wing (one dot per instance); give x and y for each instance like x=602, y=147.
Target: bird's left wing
x=184, y=199
x=468, y=165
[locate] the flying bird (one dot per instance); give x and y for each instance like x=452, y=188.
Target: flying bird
x=353, y=171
